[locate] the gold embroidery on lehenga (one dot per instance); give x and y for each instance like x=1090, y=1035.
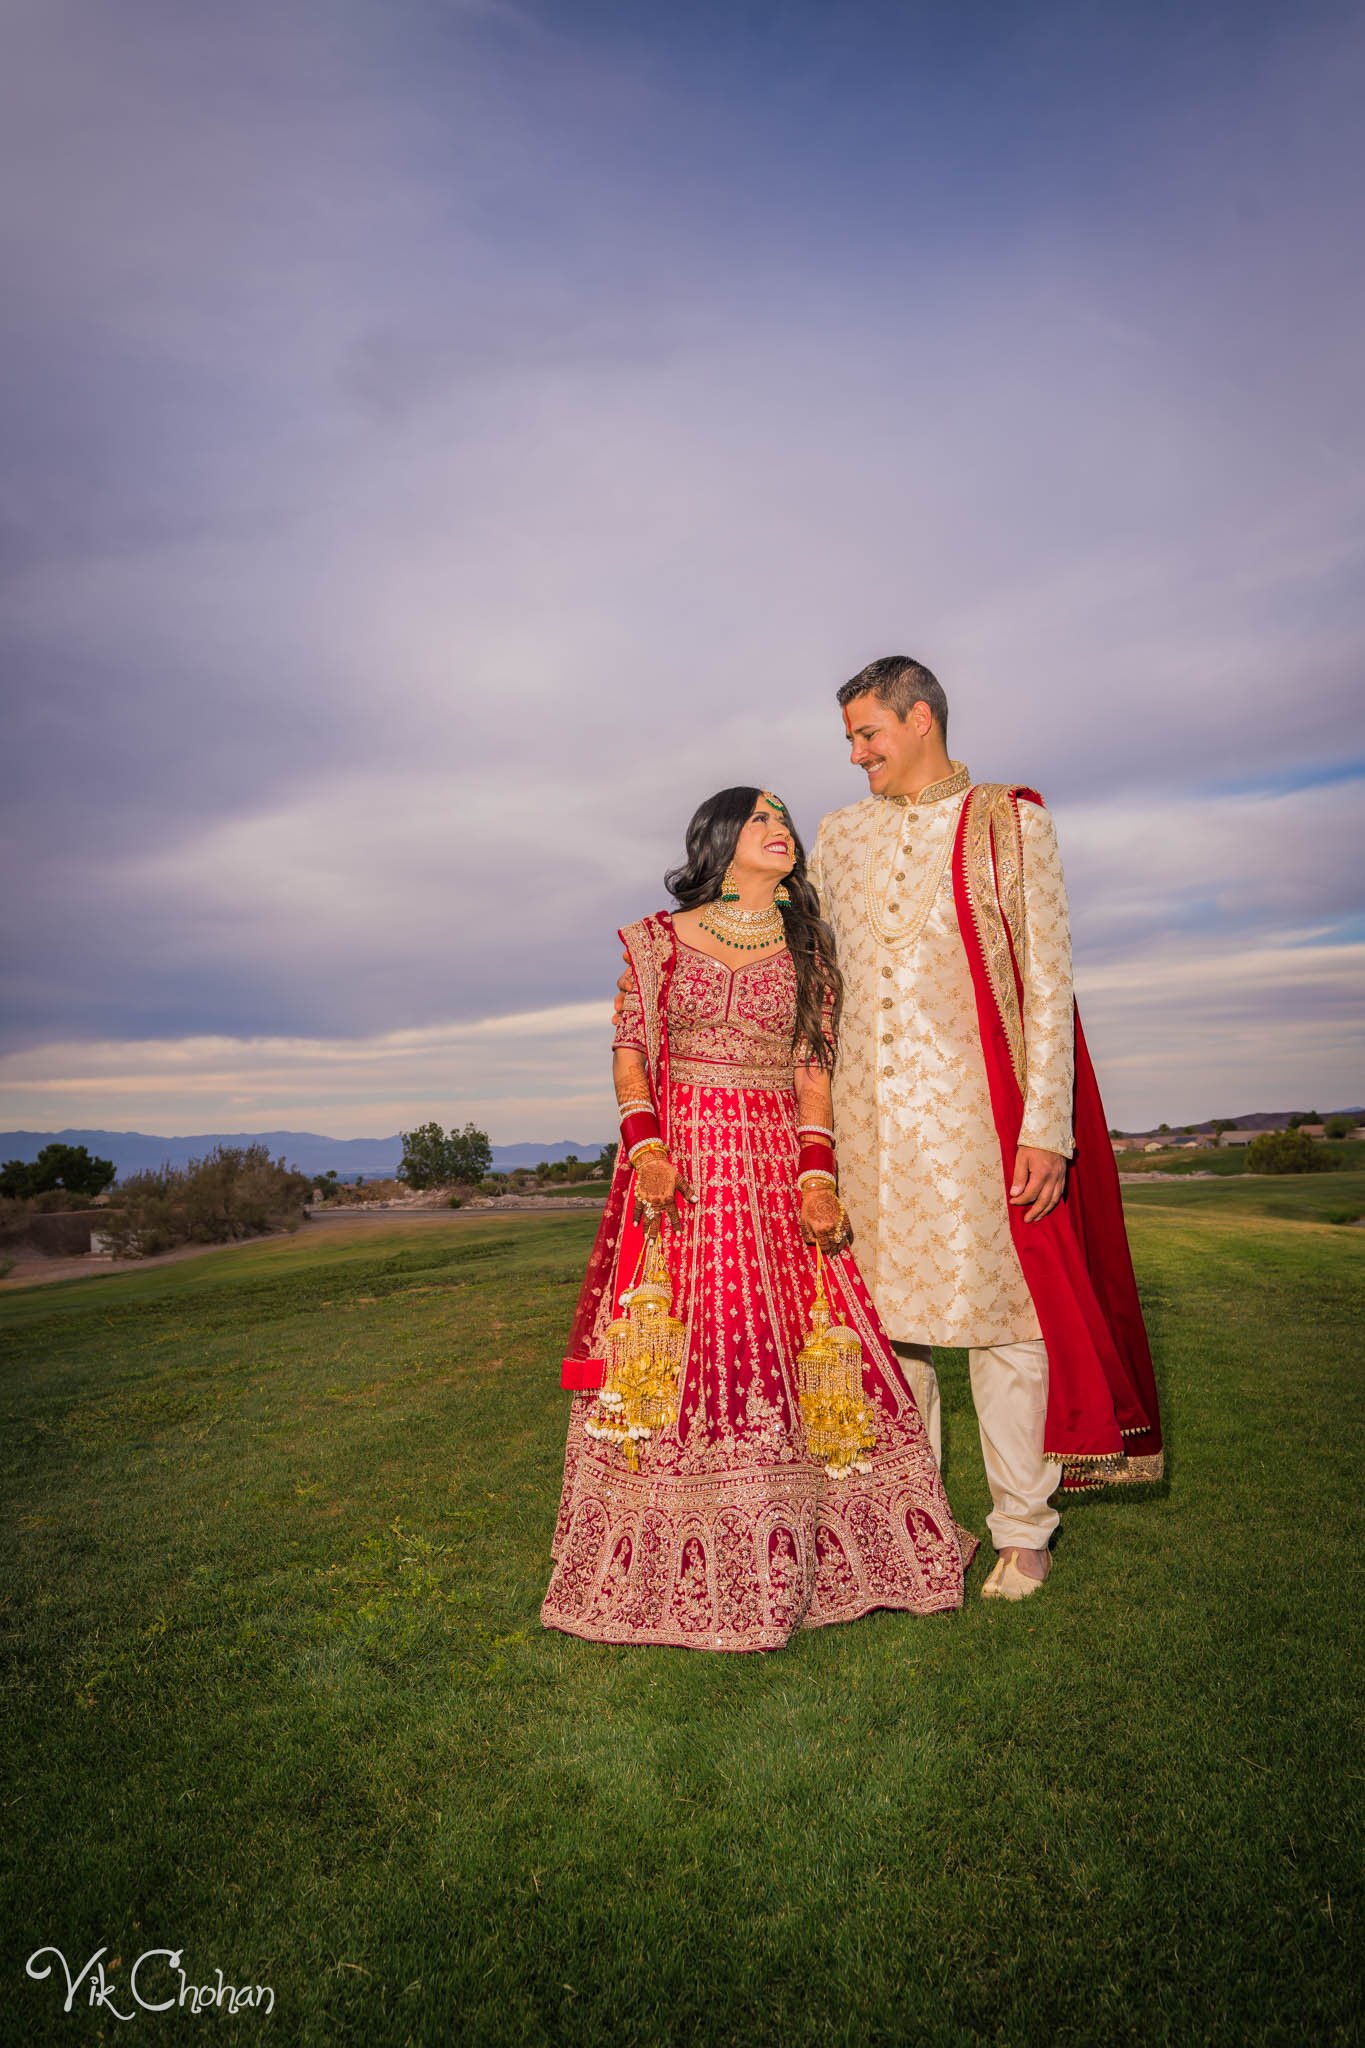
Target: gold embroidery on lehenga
x=730, y=1535
x=729, y=1074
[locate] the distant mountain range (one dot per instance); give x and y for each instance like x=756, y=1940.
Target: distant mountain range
x=374, y=1158
x=379, y=1158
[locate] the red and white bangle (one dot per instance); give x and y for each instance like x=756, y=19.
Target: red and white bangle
x=638, y=1129
x=815, y=1131
x=816, y=1157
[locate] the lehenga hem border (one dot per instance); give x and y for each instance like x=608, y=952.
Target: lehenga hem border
x=765, y=1639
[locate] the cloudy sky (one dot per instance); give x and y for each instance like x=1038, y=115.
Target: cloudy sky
x=446, y=439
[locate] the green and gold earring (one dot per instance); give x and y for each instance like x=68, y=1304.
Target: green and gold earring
x=729, y=888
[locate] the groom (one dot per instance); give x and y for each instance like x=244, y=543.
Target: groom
x=963, y=1090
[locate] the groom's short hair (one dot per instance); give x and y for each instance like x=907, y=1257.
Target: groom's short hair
x=901, y=683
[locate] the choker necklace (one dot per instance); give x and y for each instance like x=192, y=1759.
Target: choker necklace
x=746, y=931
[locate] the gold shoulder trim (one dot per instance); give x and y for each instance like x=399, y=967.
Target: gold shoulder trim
x=994, y=864
x=644, y=942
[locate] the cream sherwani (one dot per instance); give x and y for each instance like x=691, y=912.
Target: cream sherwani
x=919, y=1158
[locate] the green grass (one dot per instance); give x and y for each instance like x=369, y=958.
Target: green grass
x=1292, y=1197
x=1184, y=1159
x=279, y=1524
x=1231, y=1159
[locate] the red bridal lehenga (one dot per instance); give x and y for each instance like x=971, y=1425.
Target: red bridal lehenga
x=731, y=1535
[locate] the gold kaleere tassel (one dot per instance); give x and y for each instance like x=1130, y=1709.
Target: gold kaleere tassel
x=836, y=1414
x=643, y=1354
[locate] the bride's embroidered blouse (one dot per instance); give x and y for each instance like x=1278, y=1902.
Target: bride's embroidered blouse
x=728, y=1027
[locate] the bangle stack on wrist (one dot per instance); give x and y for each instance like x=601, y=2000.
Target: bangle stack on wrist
x=639, y=1129
x=815, y=1163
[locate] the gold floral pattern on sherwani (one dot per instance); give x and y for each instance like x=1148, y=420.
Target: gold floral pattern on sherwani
x=919, y=1156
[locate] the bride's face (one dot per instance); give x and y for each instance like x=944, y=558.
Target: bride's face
x=766, y=846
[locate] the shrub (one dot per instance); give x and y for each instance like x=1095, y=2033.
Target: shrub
x=51, y=1201
x=1290, y=1151
x=345, y=1194
x=234, y=1192
x=431, y=1158
x=14, y=1215
x=148, y=1221
x=57, y=1166
x=1339, y=1126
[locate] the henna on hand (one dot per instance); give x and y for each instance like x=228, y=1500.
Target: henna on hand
x=822, y=1220
x=630, y=1075
x=657, y=1184
x=656, y=1177
x=814, y=1097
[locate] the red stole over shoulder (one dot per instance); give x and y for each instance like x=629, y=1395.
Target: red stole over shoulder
x=1102, y=1416
x=617, y=1248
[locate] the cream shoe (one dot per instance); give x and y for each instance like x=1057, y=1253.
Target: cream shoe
x=1007, y=1582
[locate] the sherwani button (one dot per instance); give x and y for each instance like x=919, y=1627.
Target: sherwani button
x=888, y=1071
x=888, y=1038
x=887, y=1003
x=886, y=974
x=893, y=907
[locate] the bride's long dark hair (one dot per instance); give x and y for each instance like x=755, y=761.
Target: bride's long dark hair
x=712, y=838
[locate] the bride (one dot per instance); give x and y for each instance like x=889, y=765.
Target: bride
x=718, y=1526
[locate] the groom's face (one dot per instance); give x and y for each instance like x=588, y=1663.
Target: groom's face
x=884, y=746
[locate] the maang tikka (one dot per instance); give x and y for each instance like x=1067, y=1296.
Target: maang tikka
x=781, y=894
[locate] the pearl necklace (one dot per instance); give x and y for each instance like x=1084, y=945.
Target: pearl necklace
x=744, y=931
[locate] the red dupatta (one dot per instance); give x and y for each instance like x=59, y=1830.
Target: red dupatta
x=653, y=950
x=1103, y=1420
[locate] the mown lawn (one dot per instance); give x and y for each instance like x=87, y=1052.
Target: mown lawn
x=1232, y=1159
x=1290, y=1197
x=279, y=1523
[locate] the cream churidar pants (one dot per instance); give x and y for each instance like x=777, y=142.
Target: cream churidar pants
x=1009, y=1390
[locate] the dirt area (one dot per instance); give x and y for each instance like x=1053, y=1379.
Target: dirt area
x=35, y=1269
x=1199, y=1174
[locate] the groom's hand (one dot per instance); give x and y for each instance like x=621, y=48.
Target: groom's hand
x=1039, y=1178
